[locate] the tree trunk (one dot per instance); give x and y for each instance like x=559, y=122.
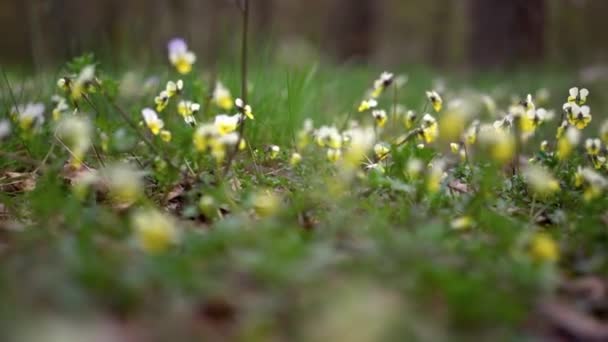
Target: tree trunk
x=506, y=32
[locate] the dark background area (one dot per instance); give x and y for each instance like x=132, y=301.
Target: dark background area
x=450, y=34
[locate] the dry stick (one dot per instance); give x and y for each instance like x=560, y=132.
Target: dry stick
x=245, y=12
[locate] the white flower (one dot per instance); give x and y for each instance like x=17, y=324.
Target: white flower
x=30, y=115
x=154, y=123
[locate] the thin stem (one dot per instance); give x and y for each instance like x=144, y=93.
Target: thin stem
x=245, y=12
x=14, y=99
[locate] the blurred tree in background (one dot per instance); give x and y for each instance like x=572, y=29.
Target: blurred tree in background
x=442, y=33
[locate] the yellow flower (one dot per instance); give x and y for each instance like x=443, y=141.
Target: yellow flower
x=205, y=136
x=174, y=88
x=462, y=223
x=165, y=135
x=333, y=154
x=61, y=107
x=29, y=116
x=266, y=203
x=470, y=136
x=435, y=100
x=82, y=82
x=593, y=146
x=578, y=117
x=561, y=129
x=410, y=119
x=179, y=55
x=501, y=144
x=381, y=150
x=540, y=181
x=380, y=117
x=76, y=133
x=593, y=183
x=152, y=121
x=435, y=176
x=124, y=183
x=222, y=97
x=578, y=96
x=244, y=108
x=532, y=119
x=528, y=104
x=161, y=101
x=187, y=109
x=385, y=80
x=543, y=145
x=361, y=140
x=274, y=151
x=226, y=124
x=567, y=142
x=367, y=105
x=295, y=159
x=543, y=248
x=455, y=148
x=429, y=130
x=155, y=232
x=328, y=137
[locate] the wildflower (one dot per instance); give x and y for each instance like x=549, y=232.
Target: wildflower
x=414, y=168
x=489, y=104
x=410, y=119
x=266, y=203
x=454, y=119
x=455, y=148
x=5, y=129
x=470, y=136
x=187, y=109
x=174, y=88
x=154, y=231
x=435, y=99
x=244, y=108
x=567, y=142
x=380, y=117
x=82, y=82
x=333, y=154
x=381, y=150
x=561, y=129
x=124, y=184
x=328, y=136
x=219, y=145
x=429, y=130
x=532, y=119
x=180, y=57
x=207, y=206
x=295, y=159
x=75, y=132
x=543, y=248
x=543, y=145
x=593, y=146
x=505, y=123
x=367, y=105
x=604, y=132
x=151, y=119
x=385, y=80
x=540, y=181
x=592, y=182
x=528, y=104
x=578, y=117
x=500, y=144
x=303, y=135
x=274, y=151
x=361, y=140
x=61, y=106
x=165, y=135
x=205, y=136
x=222, y=97
x=375, y=167
x=462, y=223
x=29, y=116
x=226, y=124
x=578, y=96
x=161, y=101
x=435, y=176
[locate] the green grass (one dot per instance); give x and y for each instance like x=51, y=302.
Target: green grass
x=379, y=262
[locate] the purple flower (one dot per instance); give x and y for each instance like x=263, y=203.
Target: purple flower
x=177, y=46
